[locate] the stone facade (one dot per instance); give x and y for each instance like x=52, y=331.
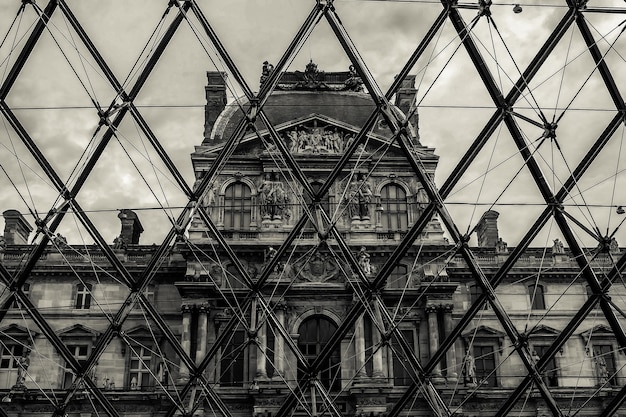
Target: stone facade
x=255, y=203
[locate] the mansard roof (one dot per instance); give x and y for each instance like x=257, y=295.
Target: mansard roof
x=350, y=107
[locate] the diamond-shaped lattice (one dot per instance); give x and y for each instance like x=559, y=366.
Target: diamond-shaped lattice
x=334, y=246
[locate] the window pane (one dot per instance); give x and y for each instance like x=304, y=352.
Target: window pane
x=314, y=334
x=237, y=207
x=403, y=373
x=537, y=297
x=485, y=361
x=394, y=215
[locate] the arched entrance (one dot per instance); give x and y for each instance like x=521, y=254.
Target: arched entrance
x=314, y=333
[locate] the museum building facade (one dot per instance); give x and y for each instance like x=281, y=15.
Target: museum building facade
x=255, y=203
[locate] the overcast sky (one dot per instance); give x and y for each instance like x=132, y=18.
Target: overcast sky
x=53, y=100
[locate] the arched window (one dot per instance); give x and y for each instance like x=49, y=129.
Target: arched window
x=237, y=207
x=314, y=334
x=537, y=300
x=394, y=215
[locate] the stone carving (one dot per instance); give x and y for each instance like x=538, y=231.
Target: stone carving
x=119, y=243
x=318, y=268
x=22, y=367
x=359, y=199
x=469, y=369
x=266, y=71
x=557, y=247
x=273, y=200
x=501, y=246
x=364, y=261
x=602, y=370
x=315, y=139
x=354, y=82
x=613, y=246
x=314, y=79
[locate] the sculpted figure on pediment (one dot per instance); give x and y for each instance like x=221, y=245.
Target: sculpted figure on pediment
x=314, y=139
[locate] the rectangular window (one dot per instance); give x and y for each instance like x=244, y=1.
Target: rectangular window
x=139, y=376
x=232, y=361
x=537, y=299
x=604, y=359
x=80, y=352
x=403, y=372
x=9, y=357
x=83, y=296
x=485, y=361
x=550, y=375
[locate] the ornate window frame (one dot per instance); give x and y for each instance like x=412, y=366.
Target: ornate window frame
x=74, y=337
x=485, y=336
x=602, y=335
x=142, y=347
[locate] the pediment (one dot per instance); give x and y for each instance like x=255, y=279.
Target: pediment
x=482, y=332
x=141, y=332
x=316, y=135
x=599, y=331
x=544, y=331
x=78, y=330
x=17, y=332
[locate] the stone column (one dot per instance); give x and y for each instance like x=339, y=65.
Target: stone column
x=261, y=372
x=201, y=345
x=185, y=339
x=433, y=337
x=377, y=361
x=451, y=374
x=359, y=347
x=279, y=343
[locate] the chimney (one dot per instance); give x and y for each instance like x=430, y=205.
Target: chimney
x=405, y=98
x=215, y=100
x=131, y=226
x=487, y=229
x=16, y=228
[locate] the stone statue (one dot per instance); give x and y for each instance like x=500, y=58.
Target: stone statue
x=162, y=374
x=272, y=197
x=266, y=71
x=364, y=261
x=22, y=367
x=501, y=246
x=209, y=196
x=613, y=246
x=469, y=369
x=60, y=240
x=602, y=369
x=557, y=247
x=93, y=374
x=119, y=243
x=133, y=383
x=359, y=199
x=354, y=82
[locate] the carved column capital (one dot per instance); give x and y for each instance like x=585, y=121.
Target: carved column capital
x=431, y=308
x=186, y=308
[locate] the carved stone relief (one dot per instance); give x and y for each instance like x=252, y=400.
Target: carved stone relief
x=311, y=138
